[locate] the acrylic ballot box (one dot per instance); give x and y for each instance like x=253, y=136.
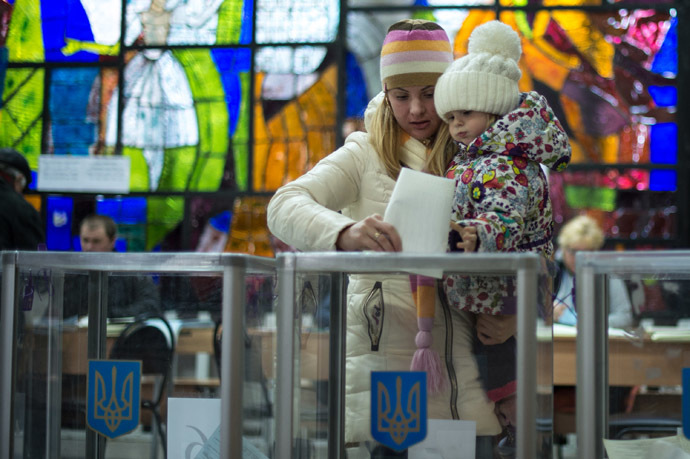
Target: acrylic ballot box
x=136, y=355
x=630, y=385
x=312, y=345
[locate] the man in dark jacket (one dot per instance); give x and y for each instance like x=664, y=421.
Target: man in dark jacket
x=128, y=295
x=21, y=227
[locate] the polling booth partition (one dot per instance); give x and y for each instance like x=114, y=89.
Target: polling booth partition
x=299, y=273
x=644, y=360
x=111, y=351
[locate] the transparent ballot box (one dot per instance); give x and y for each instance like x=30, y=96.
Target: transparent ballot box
x=348, y=330
x=136, y=355
x=629, y=376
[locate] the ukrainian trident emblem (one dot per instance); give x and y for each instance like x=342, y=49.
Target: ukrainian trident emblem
x=398, y=408
x=113, y=395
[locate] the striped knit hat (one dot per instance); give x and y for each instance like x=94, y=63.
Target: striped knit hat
x=415, y=53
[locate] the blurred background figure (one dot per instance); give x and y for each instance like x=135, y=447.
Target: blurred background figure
x=215, y=234
x=97, y=233
x=21, y=227
x=128, y=295
x=584, y=233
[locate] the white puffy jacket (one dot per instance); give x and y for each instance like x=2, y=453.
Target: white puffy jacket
x=381, y=314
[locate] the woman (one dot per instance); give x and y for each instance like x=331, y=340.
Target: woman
x=583, y=233
x=357, y=180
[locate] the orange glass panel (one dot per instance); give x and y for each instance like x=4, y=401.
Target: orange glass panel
x=298, y=136
x=249, y=231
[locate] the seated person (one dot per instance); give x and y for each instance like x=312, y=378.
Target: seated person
x=129, y=294
x=583, y=233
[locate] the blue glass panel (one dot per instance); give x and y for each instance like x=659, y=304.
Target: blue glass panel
x=54, y=14
x=664, y=143
x=666, y=60
x=221, y=221
x=356, y=91
x=246, y=31
x=120, y=244
x=230, y=63
x=662, y=180
x=34, y=180
x=128, y=211
x=59, y=223
x=664, y=96
x=77, y=25
x=73, y=132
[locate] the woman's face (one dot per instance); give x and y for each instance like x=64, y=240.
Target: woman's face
x=413, y=109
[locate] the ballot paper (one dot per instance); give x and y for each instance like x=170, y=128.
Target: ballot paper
x=674, y=447
x=420, y=210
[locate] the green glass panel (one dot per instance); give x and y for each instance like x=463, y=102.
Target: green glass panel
x=212, y=115
x=25, y=37
x=21, y=114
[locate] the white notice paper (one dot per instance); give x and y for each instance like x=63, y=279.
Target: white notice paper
x=86, y=174
x=191, y=423
x=446, y=439
x=194, y=430
x=420, y=209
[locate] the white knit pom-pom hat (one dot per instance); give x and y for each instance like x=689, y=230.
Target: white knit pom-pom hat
x=486, y=79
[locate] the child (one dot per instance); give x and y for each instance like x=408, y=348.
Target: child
x=501, y=203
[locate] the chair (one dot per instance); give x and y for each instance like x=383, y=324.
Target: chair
x=149, y=339
x=627, y=425
x=255, y=380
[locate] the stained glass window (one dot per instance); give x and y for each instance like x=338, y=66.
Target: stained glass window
x=219, y=102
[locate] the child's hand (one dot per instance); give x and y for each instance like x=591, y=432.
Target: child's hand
x=468, y=237
x=495, y=329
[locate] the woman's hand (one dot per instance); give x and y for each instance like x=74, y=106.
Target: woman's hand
x=372, y=233
x=468, y=235
x=495, y=329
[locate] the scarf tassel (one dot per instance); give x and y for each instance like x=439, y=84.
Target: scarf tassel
x=427, y=359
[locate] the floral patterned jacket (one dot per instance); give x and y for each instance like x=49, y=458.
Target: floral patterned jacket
x=501, y=189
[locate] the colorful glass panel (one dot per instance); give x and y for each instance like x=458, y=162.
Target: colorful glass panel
x=609, y=76
x=73, y=120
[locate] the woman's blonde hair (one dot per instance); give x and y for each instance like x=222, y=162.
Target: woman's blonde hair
x=581, y=232
x=384, y=135
x=442, y=152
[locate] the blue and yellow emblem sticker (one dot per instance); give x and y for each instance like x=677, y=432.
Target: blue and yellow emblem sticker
x=398, y=408
x=113, y=395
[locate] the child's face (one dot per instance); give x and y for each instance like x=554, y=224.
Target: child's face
x=414, y=110
x=466, y=125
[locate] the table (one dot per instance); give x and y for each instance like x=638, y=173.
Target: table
x=198, y=340
x=633, y=361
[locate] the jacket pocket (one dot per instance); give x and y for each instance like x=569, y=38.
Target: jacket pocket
x=373, y=309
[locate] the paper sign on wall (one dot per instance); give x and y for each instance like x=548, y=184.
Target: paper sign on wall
x=85, y=174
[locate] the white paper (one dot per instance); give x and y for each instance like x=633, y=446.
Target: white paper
x=194, y=430
x=420, y=210
x=86, y=174
x=191, y=423
x=676, y=447
x=446, y=439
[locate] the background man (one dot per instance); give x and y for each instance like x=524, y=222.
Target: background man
x=21, y=227
x=128, y=295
